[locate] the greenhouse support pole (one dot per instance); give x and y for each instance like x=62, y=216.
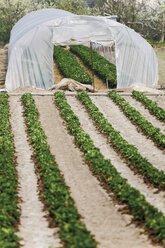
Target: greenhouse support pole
x=92, y=66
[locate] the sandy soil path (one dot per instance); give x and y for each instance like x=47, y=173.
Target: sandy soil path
x=160, y=100
x=158, y=200
x=129, y=132
x=33, y=228
x=99, y=212
x=151, y=118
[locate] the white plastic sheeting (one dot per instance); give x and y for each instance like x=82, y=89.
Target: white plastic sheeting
x=30, y=60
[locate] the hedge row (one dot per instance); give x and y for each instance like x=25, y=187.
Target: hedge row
x=102, y=67
x=69, y=66
x=9, y=215
x=146, y=127
x=56, y=193
x=142, y=211
x=128, y=151
x=150, y=105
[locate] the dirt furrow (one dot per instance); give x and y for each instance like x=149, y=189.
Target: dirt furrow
x=98, y=83
x=33, y=228
x=129, y=132
x=57, y=75
x=145, y=112
x=99, y=212
x=158, y=200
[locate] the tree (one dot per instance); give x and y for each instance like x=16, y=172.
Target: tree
x=154, y=21
x=129, y=10
x=152, y=17
x=12, y=11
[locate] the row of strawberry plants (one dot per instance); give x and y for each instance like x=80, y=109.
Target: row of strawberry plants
x=9, y=215
x=150, y=105
x=102, y=67
x=70, y=67
x=56, y=193
x=128, y=151
x=146, y=127
x=142, y=211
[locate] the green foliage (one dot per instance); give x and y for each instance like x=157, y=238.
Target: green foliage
x=152, y=106
x=9, y=214
x=156, y=44
x=146, y=127
x=69, y=66
x=102, y=168
x=128, y=151
x=78, y=7
x=142, y=16
x=56, y=193
x=102, y=67
x=12, y=11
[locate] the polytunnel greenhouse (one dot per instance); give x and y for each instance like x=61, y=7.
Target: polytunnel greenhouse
x=30, y=56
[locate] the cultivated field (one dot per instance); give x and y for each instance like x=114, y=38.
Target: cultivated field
x=82, y=170
x=113, y=222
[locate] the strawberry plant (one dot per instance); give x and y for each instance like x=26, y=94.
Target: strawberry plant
x=9, y=215
x=128, y=151
x=102, y=67
x=69, y=66
x=57, y=197
x=146, y=127
x=150, y=105
x=143, y=212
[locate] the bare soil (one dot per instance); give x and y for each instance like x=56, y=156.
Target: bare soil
x=120, y=122
x=57, y=75
x=33, y=227
x=100, y=213
x=101, y=142
x=151, y=118
x=98, y=83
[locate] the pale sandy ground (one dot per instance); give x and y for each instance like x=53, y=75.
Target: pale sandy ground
x=160, y=100
x=99, y=213
x=33, y=227
x=100, y=141
x=129, y=132
x=151, y=118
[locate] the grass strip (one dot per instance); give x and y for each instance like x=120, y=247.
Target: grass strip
x=70, y=67
x=145, y=126
x=102, y=67
x=56, y=193
x=9, y=215
x=152, y=219
x=150, y=105
x=128, y=151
